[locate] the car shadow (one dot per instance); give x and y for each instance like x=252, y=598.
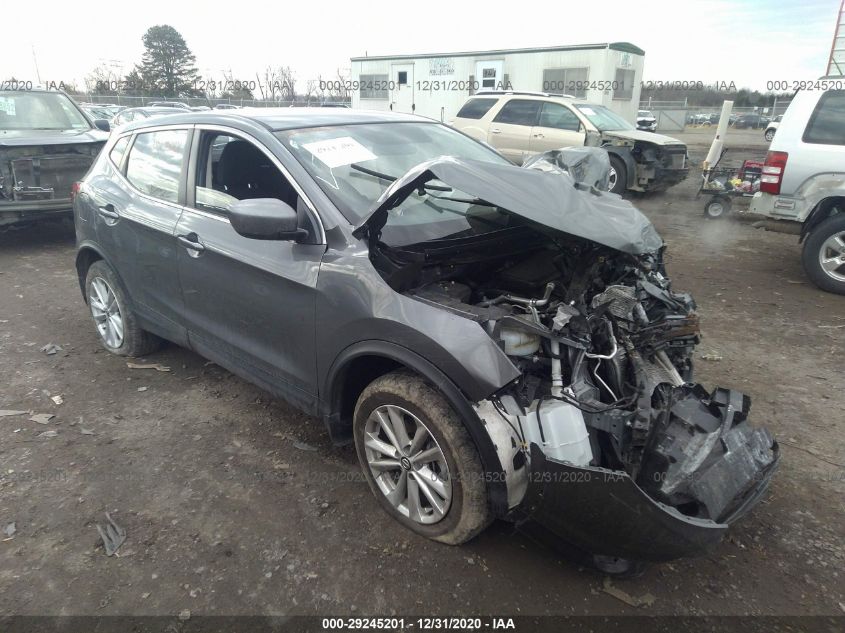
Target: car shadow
x=56, y=232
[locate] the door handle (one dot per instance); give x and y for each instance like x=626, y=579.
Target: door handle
x=108, y=211
x=191, y=242
x=495, y=130
x=538, y=135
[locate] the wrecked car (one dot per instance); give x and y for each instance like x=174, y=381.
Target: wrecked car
x=522, y=124
x=497, y=341
x=46, y=144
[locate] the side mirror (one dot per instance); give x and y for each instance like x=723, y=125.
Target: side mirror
x=265, y=219
x=102, y=124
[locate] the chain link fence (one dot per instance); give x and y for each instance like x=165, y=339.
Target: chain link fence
x=679, y=114
x=137, y=102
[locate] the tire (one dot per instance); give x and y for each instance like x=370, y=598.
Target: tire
x=103, y=287
x=770, y=134
x=621, y=183
x=717, y=207
x=824, y=242
x=402, y=398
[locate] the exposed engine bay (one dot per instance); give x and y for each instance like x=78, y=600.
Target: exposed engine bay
x=606, y=352
x=605, y=410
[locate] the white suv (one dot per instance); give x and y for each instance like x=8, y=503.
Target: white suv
x=521, y=124
x=803, y=180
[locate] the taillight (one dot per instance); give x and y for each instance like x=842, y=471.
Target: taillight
x=772, y=172
x=74, y=189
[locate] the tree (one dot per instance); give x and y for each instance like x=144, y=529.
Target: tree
x=234, y=89
x=104, y=80
x=168, y=66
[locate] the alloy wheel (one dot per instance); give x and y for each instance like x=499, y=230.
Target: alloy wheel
x=407, y=464
x=106, y=312
x=832, y=256
x=611, y=179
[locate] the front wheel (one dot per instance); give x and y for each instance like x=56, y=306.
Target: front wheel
x=419, y=460
x=618, y=177
x=823, y=256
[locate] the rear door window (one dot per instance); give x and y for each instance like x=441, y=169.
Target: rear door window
x=519, y=112
x=156, y=161
x=475, y=108
x=827, y=124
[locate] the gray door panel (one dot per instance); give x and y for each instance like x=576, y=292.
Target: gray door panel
x=251, y=301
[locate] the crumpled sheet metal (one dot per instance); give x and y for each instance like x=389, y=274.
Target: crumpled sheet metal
x=587, y=165
x=550, y=199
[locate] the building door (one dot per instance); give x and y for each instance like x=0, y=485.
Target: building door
x=402, y=88
x=488, y=74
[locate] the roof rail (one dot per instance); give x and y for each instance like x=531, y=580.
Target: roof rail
x=511, y=92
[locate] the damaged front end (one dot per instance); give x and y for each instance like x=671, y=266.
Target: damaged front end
x=36, y=180
x=605, y=439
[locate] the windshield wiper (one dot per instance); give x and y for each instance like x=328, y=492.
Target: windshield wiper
x=370, y=172
x=387, y=177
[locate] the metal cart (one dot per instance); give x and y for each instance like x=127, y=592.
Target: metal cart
x=724, y=184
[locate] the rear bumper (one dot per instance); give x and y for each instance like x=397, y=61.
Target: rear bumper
x=28, y=211
x=604, y=512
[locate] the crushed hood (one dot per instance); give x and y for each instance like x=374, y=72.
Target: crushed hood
x=640, y=135
x=23, y=138
x=550, y=199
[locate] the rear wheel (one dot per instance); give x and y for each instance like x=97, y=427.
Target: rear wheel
x=618, y=176
x=824, y=254
x=114, y=319
x=717, y=207
x=419, y=460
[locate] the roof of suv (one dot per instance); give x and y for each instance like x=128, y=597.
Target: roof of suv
x=282, y=118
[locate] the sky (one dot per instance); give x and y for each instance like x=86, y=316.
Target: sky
x=748, y=42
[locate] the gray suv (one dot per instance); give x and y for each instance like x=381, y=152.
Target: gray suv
x=498, y=341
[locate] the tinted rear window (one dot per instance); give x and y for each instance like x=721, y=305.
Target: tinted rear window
x=827, y=125
x=519, y=112
x=475, y=108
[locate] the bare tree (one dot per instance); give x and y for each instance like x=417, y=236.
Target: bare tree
x=278, y=84
x=311, y=90
x=104, y=79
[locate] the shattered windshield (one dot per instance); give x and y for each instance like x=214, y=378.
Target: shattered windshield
x=39, y=111
x=605, y=120
x=354, y=164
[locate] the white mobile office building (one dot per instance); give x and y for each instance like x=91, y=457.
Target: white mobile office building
x=436, y=85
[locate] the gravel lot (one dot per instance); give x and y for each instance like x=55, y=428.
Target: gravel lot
x=234, y=503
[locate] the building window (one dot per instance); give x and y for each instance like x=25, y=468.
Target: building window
x=624, y=84
x=566, y=81
x=402, y=77
x=373, y=86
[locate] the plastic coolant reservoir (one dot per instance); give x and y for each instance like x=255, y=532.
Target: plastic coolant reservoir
x=564, y=435
x=519, y=343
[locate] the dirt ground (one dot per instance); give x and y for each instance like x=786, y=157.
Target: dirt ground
x=234, y=503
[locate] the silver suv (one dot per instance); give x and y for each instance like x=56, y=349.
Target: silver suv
x=804, y=180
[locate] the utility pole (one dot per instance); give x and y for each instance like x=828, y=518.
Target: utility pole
x=35, y=59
